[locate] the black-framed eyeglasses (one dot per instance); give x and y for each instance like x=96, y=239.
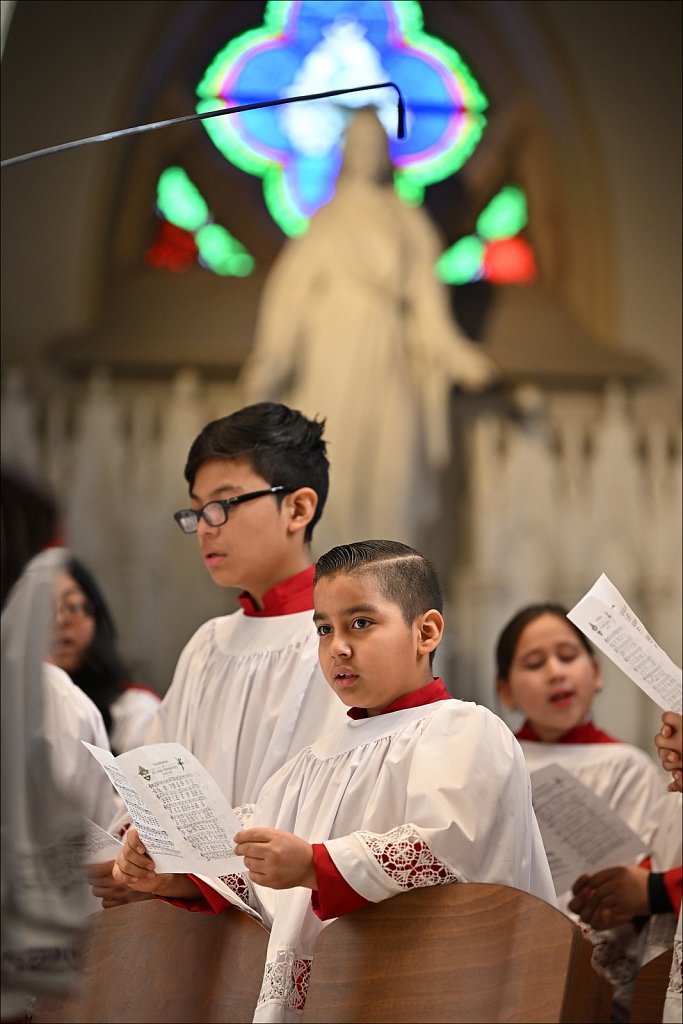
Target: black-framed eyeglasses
x=72, y=608
x=215, y=513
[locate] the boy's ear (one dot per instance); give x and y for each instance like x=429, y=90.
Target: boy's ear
x=598, y=676
x=430, y=631
x=300, y=508
x=505, y=694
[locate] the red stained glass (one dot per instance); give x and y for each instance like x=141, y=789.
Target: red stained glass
x=509, y=261
x=174, y=249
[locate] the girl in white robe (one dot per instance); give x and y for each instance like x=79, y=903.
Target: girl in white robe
x=547, y=670
x=415, y=789
x=85, y=646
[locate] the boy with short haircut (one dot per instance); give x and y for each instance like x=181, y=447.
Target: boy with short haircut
x=247, y=693
x=415, y=789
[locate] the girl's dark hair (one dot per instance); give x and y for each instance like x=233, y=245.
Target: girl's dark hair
x=102, y=672
x=28, y=524
x=280, y=444
x=509, y=637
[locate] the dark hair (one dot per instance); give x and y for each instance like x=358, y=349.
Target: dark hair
x=509, y=637
x=28, y=523
x=402, y=574
x=281, y=444
x=102, y=671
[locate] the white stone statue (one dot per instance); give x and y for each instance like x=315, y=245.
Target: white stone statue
x=355, y=327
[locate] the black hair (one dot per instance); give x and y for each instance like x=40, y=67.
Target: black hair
x=28, y=524
x=509, y=637
x=402, y=574
x=281, y=445
x=102, y=672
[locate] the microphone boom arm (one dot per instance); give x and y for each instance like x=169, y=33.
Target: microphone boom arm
x=154, y=125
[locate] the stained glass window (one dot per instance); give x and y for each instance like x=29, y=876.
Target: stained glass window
x=306, y=46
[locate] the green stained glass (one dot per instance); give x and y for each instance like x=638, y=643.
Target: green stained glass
x=222, y=253
x=462, y=262
x=179, y=201
x=505, y=216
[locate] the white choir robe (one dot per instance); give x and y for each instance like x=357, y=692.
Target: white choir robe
x=131, y=716
x=70, y=716
x=635, y=788
x=422, y=796
x=247, y=695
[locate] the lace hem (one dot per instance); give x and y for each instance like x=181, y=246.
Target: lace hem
x=674, y=987
x=285, y=980
x=240, y=886
x=406, y=858
x=619, y=958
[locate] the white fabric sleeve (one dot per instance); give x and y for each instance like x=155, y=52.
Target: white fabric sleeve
x=466, y=816
x=378, y=866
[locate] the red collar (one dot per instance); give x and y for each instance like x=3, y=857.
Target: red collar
x=430, y=693
x=584, y=733
x=294, y=594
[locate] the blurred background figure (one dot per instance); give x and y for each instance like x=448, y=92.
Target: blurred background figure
x=85, y=646
x=49, y=779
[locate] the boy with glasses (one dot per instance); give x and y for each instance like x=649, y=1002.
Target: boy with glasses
x=247, y=693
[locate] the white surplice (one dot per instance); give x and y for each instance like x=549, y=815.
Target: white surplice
x=70, y=716
x=247, y=695
x=423, y=796
x=629, y=781
x=131, y=716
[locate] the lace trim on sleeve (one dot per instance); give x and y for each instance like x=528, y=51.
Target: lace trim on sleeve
x=285, y=980
x=241, y=887
x=617, y=953
x=675, y=986
x=406, y=858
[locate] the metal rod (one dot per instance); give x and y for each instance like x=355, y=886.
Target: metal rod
x=154, y=125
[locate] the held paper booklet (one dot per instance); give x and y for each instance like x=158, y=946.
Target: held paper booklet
x=581, y=833
x=606, y=619
x=183, y=819
x=98, y=846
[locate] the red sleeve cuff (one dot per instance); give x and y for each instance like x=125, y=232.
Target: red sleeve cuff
x=333, y=897
x=673, y=882
x=207, y=902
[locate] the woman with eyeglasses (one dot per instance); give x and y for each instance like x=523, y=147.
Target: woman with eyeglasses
x=84, y=646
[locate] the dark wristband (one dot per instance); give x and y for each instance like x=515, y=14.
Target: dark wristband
x=657, y=894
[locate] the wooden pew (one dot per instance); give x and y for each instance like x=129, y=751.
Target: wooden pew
x=649, y=991
x=456, y=953
x=150, y=962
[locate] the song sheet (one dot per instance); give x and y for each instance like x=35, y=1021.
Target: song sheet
x=98, y=846
x=606, y=619
x=183, y=819
x=581, y=833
